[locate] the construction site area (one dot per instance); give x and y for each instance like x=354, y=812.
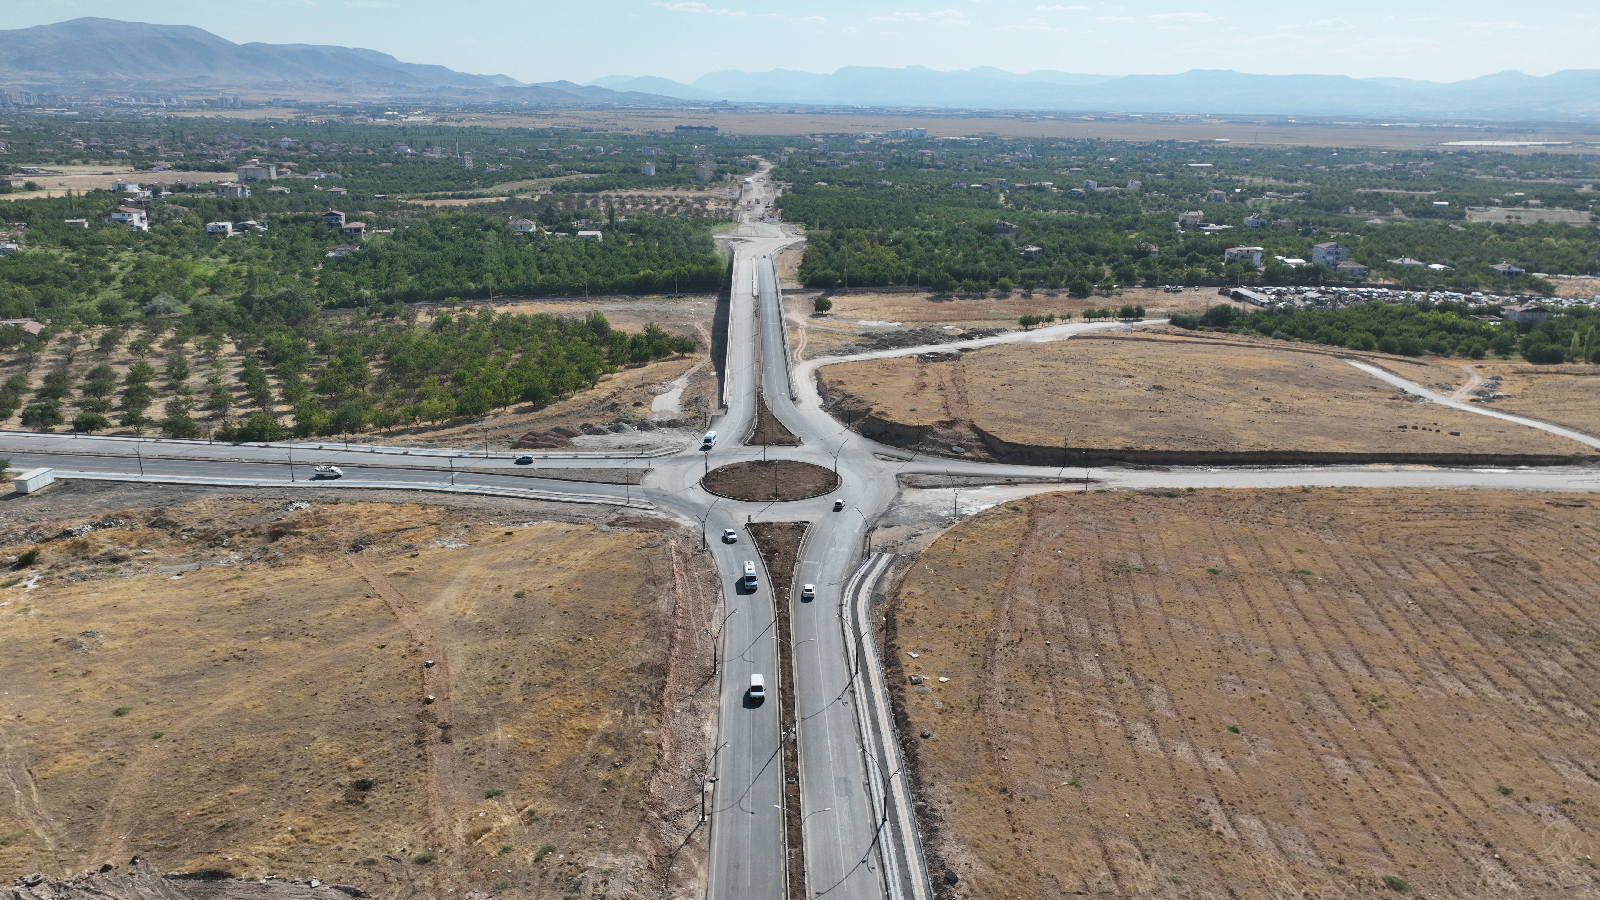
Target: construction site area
x=1171, y=398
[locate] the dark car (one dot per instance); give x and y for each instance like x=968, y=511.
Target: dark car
x=524, y=460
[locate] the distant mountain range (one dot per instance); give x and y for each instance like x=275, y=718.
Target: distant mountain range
x=93, y=55
x=1573, y=94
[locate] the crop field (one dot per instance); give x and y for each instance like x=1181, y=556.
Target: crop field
x=1299, y=693
x=1169, y=394
x=410, y=698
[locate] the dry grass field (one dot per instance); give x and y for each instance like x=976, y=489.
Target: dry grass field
x=1261, y=695
x=1565, y=395
x=1171, y=393
x=419, y=700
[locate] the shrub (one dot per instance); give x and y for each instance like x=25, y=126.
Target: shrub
x=821, y=304
x=259, y=428
x=1398, y=885
x=90, y=422
x=492, y=793
x=544, y=850
x=122, y=711
x=423, y=858
x=28, y=558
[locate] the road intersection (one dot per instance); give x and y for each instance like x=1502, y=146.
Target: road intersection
x=859, y=837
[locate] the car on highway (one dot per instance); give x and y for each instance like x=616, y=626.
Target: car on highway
x=327, y=472
x=524, y=460
x=808, y=592
x=838, y=505
x=758, y=688
x=729, y=536
x=709, y=441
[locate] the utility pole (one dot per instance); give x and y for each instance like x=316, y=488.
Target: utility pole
x=140, y=454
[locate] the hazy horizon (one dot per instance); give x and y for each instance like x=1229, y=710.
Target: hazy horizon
x=684, y=40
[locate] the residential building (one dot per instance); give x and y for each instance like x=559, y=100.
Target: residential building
x=1508, y=270
x=333, y=217
x=225, y=229
x=523, y=226
x=1030, y=252
x=1283, y=223
x=131, y=216
x=1440, y=267
x=355, y=229
x=586, y=235
x=1217, y=197
x=9, y=247
x=1407, y=262
x=28, y=325
x=1190, y=219
x=1075, y=192
x=277, y=189
x=1525, y=313
x=339, y=251
x=706, y=172
x=338, y=192
x=648, y=169
x=255, y=171
x=124, y=187
x=1329, y=254
x=1351, y=270
x=1135, y=186
x=234, y=190
x=82, y=222
x=1254, y=220
x=1251, y=255
x=1002, y=227
x=1091, y=185
x=1292, y=262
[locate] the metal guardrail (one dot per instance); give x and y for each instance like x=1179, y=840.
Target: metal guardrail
x=902, y=856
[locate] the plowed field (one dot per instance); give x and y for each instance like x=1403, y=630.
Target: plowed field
x=1260, y=695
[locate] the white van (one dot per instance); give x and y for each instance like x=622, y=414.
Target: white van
x=749, y=575
x=709, y=441
x=758, y=688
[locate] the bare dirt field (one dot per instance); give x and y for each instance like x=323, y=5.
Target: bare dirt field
x=1526, y=215
x=943, y=123
x=91, y=178
x=1565, y=395
x=1258, y=695
x=1169, y=398
x=417, y=699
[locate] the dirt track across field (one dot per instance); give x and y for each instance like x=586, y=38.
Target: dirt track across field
x=1258, y=695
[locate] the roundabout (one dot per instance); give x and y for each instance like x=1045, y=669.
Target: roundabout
x=775, y=480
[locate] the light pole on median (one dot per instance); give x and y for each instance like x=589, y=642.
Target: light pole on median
x=140, y=454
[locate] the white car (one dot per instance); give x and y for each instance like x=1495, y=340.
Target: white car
x=808, y=592
x=729, y=536
x=327, y=472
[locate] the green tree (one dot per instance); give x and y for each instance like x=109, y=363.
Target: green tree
x=41, y=416
x=821, y=304
x=89, y=422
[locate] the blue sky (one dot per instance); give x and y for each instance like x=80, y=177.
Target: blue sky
x=543, y=40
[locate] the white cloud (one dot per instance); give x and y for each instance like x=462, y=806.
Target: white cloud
x=1029, y=25
x=693, y=6
x=1319, y=25
x=1118, y=19
x=1182, y=17
x=806, y=20
x=941, y=17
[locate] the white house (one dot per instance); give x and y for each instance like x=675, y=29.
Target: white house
x=355, y=229
x=131, y=216
x=1351, y=270
x=1217, y=197
x=523, y=226
x=1525, y=313
x=224, y=229
x=598, y=236
x=1030, y=252
x=333, y=217
x=1508, y=270
x=1406, y=262
x=1251, y=255
x=1254, y=220
x=1329, y=254
x=647, y=169
x=339, y=251
x=1190, y=219
x=234, y=190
